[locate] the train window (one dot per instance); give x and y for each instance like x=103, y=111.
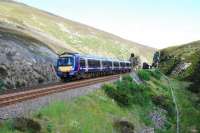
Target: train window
x=66, y=61
x=127, y=64
x=110, y=63
x=90, y=63
x=104, y=63
x=122, y=64
x=116, y=64
x=107, y=63
x=93, y=63
x=97, y=63
x=82, y=63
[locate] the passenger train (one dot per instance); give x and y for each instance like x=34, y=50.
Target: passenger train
x=75, y=65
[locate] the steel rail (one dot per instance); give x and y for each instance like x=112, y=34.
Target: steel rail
x=9, y=99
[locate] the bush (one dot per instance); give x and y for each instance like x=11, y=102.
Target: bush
x=127, y=78
x=109, y=90
x=144, y=74
x=156, y=74
x=121, y=97
x=195, y=78
x=168, y=62
x=126, y=92
x=194, y=87
x=124, y=126
x=26, y=125
x=50, y=128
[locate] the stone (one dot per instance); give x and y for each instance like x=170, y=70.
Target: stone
x=25, y=63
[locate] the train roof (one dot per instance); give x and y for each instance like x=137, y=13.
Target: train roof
x=93, y=57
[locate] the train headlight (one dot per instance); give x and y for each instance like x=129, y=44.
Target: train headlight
x=65, y=68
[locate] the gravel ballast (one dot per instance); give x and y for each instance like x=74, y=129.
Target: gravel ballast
x=26, y=108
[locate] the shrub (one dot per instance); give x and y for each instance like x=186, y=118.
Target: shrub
x=109, y=90
x=141, y=95
x=156, y=74
x=168, y=62
x=126, y=93
x=194, y=87
x=39, y=115
x=26, y=125
x=50, y=128
x=127, y=78
x=124, y=126
x=195, y=78
x=121, y=97
x=144, y=74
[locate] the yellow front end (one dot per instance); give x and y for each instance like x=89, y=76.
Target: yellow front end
x=65, y=68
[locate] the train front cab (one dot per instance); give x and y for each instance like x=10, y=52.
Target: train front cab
x=67, y=66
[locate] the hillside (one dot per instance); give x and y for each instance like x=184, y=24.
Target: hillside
x=61, y=34
x=183, y=62
x=184, y=50
x=30, y=40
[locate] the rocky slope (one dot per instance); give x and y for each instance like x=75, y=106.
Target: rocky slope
x=63, y=35
x=24, y=62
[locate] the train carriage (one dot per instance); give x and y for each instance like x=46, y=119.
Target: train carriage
x=70, y=65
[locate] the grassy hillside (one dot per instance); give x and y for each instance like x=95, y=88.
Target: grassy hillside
x=99, y=113
x=65, y=35
x=172, y=56
x=184, y=50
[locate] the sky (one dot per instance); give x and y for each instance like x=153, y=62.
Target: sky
x=156, y=23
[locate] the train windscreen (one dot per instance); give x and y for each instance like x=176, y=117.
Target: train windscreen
x=66, y=61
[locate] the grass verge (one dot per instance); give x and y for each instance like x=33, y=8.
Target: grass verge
x=101, y=112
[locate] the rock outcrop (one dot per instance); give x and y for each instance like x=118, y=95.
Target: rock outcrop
x=24, y=62
x=180, y=68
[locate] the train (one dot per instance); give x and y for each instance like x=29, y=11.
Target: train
x=78, y=66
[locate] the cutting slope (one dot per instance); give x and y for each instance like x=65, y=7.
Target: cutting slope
x=62, y=35
x=24, y=62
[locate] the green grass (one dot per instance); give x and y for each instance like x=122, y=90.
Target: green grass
x=189, y=113
x=97, y=112
x=88, y=114
x=94, y=113
x=188, y=53
x=127, y=93
x=144, y=74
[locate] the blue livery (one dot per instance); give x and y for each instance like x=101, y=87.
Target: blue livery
x=70, y=65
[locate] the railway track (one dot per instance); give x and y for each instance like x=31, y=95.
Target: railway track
x=9, y=99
